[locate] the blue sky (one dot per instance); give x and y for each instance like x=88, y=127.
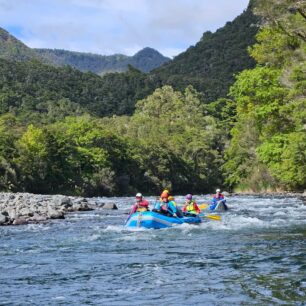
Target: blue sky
x=116, y=26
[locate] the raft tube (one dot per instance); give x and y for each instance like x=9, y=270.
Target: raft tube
x=150, y=219
x=221, y=207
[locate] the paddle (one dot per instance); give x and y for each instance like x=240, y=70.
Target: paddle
x=203, y=206
x=213, y=217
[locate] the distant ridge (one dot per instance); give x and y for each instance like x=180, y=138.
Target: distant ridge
x=145, y=60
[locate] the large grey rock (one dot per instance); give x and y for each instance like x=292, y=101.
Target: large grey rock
x=38, y=218
x=63, y=201
x=110, y=206
x=55, y=214
x=225, y=193
x=20, y=221
x=81, y=206
x=3, y=219
x=12, y=212
x=26, y=211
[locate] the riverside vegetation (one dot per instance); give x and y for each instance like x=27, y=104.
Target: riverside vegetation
x=188, y=125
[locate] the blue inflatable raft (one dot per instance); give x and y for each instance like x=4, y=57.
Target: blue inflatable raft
x=150, y=219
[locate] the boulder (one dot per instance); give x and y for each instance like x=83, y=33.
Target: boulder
x=3, y=219
x=38, y=218
x=81, y=206
x=95, y=205
x=110, y=206
x=55, y=214
x=225, y=193
x=12, y=213
x=26, y=211
x=20, y=221
x=62, y=201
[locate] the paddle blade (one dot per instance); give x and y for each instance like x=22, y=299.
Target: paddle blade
x=213, y=217
x=203, y=206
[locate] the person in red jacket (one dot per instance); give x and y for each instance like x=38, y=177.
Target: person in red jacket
x=141, y=204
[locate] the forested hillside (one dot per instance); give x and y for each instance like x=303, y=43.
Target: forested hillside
x=30, y=88
x=211, y=64
x=13, y=49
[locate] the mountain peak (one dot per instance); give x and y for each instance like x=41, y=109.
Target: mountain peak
x=147, y=51
x=148, y=59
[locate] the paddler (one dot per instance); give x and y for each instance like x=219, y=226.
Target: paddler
x=217, y=199
x=166, y=207
x=140, y=205
x=190, y=208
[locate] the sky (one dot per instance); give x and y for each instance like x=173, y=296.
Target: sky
x=116, y=26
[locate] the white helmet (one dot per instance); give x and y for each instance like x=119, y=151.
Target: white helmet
x=138, y=195
x=218, y=190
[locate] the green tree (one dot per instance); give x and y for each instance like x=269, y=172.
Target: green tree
x=268, y=144
x=175, y=123
x=8, y=136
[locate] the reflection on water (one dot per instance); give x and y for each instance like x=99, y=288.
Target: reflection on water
x=254, y=256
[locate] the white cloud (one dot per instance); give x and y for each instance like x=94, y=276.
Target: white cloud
x=116, y=26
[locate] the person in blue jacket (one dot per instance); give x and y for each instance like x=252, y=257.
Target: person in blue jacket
x=217, y=199
x=166, y=207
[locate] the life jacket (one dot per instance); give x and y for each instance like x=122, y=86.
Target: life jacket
x=141, y=209
x=191, y=208
x=142, y=206
x=221, y=196
x=161, y=206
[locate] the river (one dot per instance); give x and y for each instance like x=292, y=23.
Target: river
x=254, y=256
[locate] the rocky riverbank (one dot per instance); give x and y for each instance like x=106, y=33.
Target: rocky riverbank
x=24, y=208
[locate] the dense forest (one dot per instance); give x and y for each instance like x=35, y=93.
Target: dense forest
x=31, y=88
x=65, y=131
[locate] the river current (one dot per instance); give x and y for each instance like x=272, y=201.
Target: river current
x=255, y=256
